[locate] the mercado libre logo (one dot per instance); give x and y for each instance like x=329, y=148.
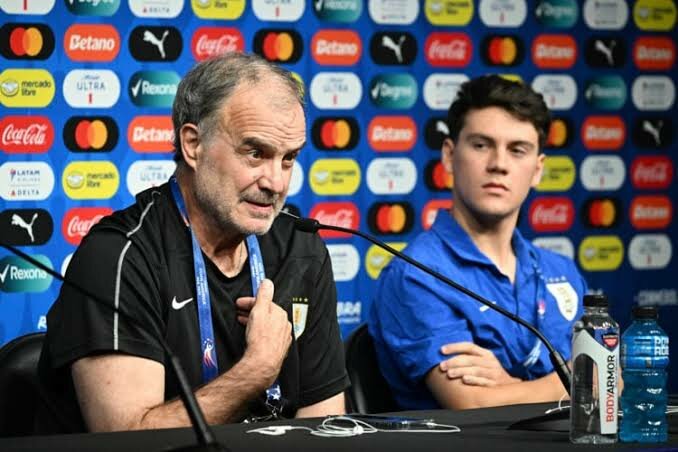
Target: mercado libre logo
x=335, y=133
x=334, y=176
x=557, y=13
x=17, y=275
x=91, y=134
x=393, y=91
x=93, y=8
x=601, y=253
x=223, y=10
x=341, y=11
x=26, y=88
x=153, y=88
x=279, y=45
x=90, y=180
x=377, y=258
x=448, y=12
x=22, y=41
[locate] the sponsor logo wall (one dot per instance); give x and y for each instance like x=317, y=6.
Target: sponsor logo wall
x=86, y=90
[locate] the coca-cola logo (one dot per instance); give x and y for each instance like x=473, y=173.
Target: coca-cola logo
x=652, y=172
x=551, y=214
x=208, y=42
x=78, y=221
x=448, y=49
x=26, y=134
x=342, y=214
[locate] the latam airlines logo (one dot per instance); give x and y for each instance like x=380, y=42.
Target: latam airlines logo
x=91, y=134
x=606, y=92
x=208, y=42
x=336, y=47
x=26, y=41
x=79, y=220
x=654, y=53
x=26, y=88
x=394, y=91
x=155, y=43
x=278, y=10
x=390, y=12
x=448, y=49
x=91, y=88
x=655, y=15
x=17, y=275
x=554, y=51
x=151, y=134
x=503, y=50
x=26, y=181
x=144, y=174
x=650, y=251
x=391, y=176
x=26, y=226
x=651, y=132
x=335, y=133
x=559, y=91
x=448, y=12
x=392, y=133
x=557, y=13
x=653, y=93
x=390, y=218
x=551, y=214
x=606, y=52
x=651, y=212
x=153, y=88
x=93, y=7
x=345, y=263
x=336, y=90
x=90, y=180
x=503, y=13
x=603, y=132
x=26, y=134
x=393, y=48
x=342, y=11
x=218, y=9
x=279, y=45
x=603, y=173
x=32, y=7
x=606, y=14
x=98, y=43
x=162, y=9
x=652, y=172
x=334, y=176
x=342, y=214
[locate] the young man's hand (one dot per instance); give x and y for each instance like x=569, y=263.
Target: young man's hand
x=474, y=365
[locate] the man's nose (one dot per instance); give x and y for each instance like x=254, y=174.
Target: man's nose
x=498, y=160
x=273, y=179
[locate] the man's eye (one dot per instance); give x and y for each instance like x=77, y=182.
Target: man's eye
x=256, y=153
x=291, y=157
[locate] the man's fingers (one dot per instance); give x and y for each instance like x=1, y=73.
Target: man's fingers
x=468, y=348
x=461, y=361
x=265, y=293
x=472, y=380
x=245, y=303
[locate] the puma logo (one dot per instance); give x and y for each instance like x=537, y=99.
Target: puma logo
x=18, y=221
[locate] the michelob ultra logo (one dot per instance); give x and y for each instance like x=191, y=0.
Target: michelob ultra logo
x=603, y=173
x=336, y=90
x=377, y=258
x=144, y=174
x=606, y=92
x=32, y=7
x=560, y=133
x=26, y=88
x=557, y=13
x=559, y=174
x=26, y=41
x=560, y=245
x=394, y=91
x=502, y=50
x=650, y=251
x=606, y=15
x=335, y=176
x=448, y=12
x=559, y=91
x=93, y=7
x=97, y=43
x=345, y=261
x=500, y=13
x=655, y=15
x=26, y=181
x=335, y=133
x=90, y=180
x=26, y=134
x=432, y=209
x=392, y=133
x=603, y=132
x=651, y=212
x=18, y=275
x=653, y=93
x=390, y=176
x=601, y=253
x=278, y=10
x=386, y=12
x=91, y=88
x=215, y=9
x=91, y=134
x=342, y=11
x=336, y=47
x=343, y=214
x=654, y=53
x=151, y=134
x=441, y=89
x=153, y=88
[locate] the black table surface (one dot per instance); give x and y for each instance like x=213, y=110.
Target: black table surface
x=481, y=430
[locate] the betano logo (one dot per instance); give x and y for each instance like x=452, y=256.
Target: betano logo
x=336, y=90
x=603, y=133
x=91, y=134
x=559, y=91
x=653, y=93
x=391, y=176
x=345, y=261
x=392, y=133
x=91, y=88
x=153, y=88
x=334, y=176
x=606, y=92
x=448, y=12
x=279, y=45
x=32, y=7
x=393, y=91
x=217, y=9
x=26, y=134
x=560, y=133
x=386, y=12
x=26, y=181
x=343, y=214
x=377, y=258
x=436, y=177
x=341, y=11
x=20, y=41
x=90, y=180
x=603, y=173
x=17, y=275
x=278, y=10
x=601, y=253
x=551, y=214
x=79, y=220
x=652, y=172
x=390, y=218
x=208, y=42
x=336, y=47
x=448, y=49
x=559, y=174
x=650, y=251
x=93, y=7
x=26, y=88
x=500, y=13
x=601, y=212
x=502, y=50
x=651, y=212
x=554, y=51
x=606, y=15
x=335, y=133
x=151, y=134
x=144, y=174
x=557, y=13
x=655, y=15
x=97, y=43
x=654, y=53
x=430, y=211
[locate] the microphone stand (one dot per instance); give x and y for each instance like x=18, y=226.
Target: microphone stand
x=206, y=439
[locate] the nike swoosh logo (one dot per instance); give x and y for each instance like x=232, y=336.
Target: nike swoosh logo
x=135, y=88
x=180, y=304
x=3, y=275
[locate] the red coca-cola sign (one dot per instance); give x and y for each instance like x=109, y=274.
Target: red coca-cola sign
x=208, y=42
x=652, y=172
x=78, y=221
x=448, y=49
x=26, y=134
x=551, y=214
x=343, y=214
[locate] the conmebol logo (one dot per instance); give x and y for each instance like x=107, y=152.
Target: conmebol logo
x=153, y=88
x=26, y=134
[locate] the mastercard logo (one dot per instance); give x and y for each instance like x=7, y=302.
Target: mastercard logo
x=601, y=213
x=26, y=41
x=90, y=134
x=560, y=133
x=651, y=212
x=436, y=178
x=390, y=218
x=281, y=46
x=335, y=133
x=506, y=50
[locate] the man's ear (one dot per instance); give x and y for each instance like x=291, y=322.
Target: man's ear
x=536, y=179
x=446, y=153
x=190, y=144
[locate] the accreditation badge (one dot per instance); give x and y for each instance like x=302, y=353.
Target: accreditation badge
x=566, y=297
x=299, y=315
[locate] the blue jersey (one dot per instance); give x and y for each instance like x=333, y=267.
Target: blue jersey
x=413, y=315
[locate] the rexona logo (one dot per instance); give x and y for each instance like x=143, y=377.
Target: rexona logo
x=603, y=132
x=281, y=46
x=345, y=262
x=441, y=89
x=607, y=92
x=436, y=178
x=79, y=220
x=448, y=12
x=606, y=52
x=90, y=180
x=164, y=9
x=560, y=133
x=431, y=210
x=26, y=134
x=560, y=245
x=208, y=42
x=26, y=88
x=98, y=43
x=144, y=174
x=153, y=88
x=336, y=90
x=603, y=173
x=559, y=174
x=91, y=134
x=650, y=251
x=151, y=134
x=91, y=88
x=155, y=43
x=551, y=214
x=26, y=181
x=653, y=93
x=503, y=13
x=342, y=214
x=93, y=7
x=335, y=133
x=503, y=50
x=377, y=258
x=391, y=176
x=601, y=253
x=26, y=41
x=393, y=48
x=554, y=51
x=606, y=14
x=392, y=133
x=559, y=91
x=652, y=172
x=654, y=53
x=26, y=226
x=341, y=11
x=394, y=91
x=334, y=176
x=653, y=132
x=601, y=212
x=655, y=15
x=389, y=12
x=557, y=13
x=218, y=9
x=278, y=10
x=17, y=275
x=390, y=218
x=448, y=49
x=435, y=132
x=32, y=7
x=651, y=212
x=336, y=47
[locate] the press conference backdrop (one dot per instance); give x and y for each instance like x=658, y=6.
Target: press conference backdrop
x=86, y=88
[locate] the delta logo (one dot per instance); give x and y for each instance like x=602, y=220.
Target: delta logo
x=393, y=48
x=280, y=46
x=654, y=53
x=164, y=9
x=19, y=275
x=441, y=89
x=603, y=173
x=558, y=175
x=94, y=7
x=651, y=212
x=502, y=13
x=90, y=180
x=336, y=47
x=21, y=227
x=153, y=88
x=208, y=42
x=448, y=12
x=652, y=132
x=560, y=133
x=606, y=15
x=502, y=50
x=79, y=220
x=448, y=49
x=652, y=172
x=387, y=12
x=145, y=174
x=341, y=214
x=436, y=177
x=26, y=134
x=393, y=91
x=26, y=88
x=606, y=52
x=557, y=13
x=26, y=41
x=26, y=181
x=148, y=43
x=151, y=134
x=335, y=133
x=655, y=15
x=334, y=177
x=390, y=218
x=391, y=176
x=96, y=43
x=435, y=132
x=91, y=88
x=606, y=92
x=392, y=133
x=650, y=252
x=559, y=91
x=653, y=93
x=431, y=210
x=554, y=51
x=601, y=213
x=218, y=9
x=377, y=258
x=601, y=253
x=278, y=10
x=336, y=90
x=91, y=134
x=603, y=133
x=551, y=214
x=340, y=11
x=30, y=7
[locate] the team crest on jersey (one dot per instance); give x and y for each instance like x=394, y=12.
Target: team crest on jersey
x=299, y=315
x=566, y=297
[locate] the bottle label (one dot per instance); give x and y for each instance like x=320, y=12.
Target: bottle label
x=645, y=352
x=603, y=349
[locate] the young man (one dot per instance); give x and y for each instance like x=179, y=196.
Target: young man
x=438, y=347
x=187, y=262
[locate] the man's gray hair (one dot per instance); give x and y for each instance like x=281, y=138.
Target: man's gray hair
x=209, y=84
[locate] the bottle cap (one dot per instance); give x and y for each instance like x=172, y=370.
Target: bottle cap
x=645, y=312
x=597, y=300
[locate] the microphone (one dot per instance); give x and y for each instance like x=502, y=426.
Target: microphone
x=206, y=439
x=559, y=363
